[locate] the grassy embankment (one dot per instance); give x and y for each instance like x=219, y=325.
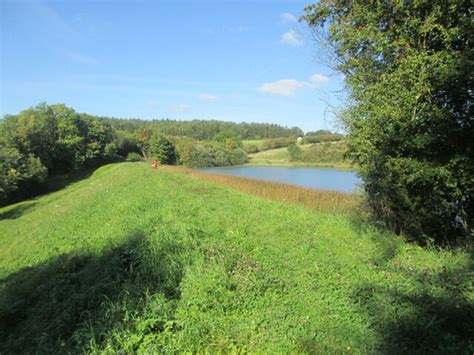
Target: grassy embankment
x=132, y=259
x=317, y=155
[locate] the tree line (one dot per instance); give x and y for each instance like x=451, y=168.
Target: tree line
x=204, y=129
x=54, y=139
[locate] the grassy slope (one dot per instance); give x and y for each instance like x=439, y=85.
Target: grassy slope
x=257, y=142
x=133, y=259
x=281, y=157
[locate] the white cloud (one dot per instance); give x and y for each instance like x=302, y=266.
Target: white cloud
x=288, y=87
x=208, y=97
x=287, y=17
x=81, y=58
x=291, y=38
x=284, y=87
x=180, y=108
x=319, y=79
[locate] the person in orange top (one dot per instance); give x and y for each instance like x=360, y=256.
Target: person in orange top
x=155, y=164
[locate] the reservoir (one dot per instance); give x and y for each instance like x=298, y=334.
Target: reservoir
x=314, y=178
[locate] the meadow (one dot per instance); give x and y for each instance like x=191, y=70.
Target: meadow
x=329, y=154
x=132, y=259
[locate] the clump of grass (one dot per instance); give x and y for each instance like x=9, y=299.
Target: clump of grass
x=318, y=200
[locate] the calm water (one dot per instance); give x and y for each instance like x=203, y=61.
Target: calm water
x=315, y=178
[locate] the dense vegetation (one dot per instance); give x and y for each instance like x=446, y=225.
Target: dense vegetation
x=224, y=150
x=329, y=152
x=322, y=136
x=204, y=129
x=408, y=67
x=48, y=140
x=137, y=260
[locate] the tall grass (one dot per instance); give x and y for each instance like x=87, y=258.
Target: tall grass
x=318, y=200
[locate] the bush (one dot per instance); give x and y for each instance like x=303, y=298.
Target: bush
x=134, y=157
x=296, y=154
x=20, y=175
x=198, y=154
x=275, y=143
x=162, y=149
x=251, y=148
x=326, y=153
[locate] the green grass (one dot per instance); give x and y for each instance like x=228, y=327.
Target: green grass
x=256, y=142
x=137, y=260
x=315, y=155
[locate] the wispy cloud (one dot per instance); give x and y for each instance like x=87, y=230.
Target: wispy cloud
x=81, y=58
x=287, y=17
x=292, y=38
x=208, y=97
x=318, y=80
x=288, y=87
x=180, y=108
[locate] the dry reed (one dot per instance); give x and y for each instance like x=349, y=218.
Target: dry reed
x=319, y=200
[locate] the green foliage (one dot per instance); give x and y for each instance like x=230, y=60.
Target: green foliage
x=162, y=149
x=296, y=154
x=277, y=143
x=202, y=154
x=251, y=148
x=204, y=129
x=329, y=152
x=19, y=174
x=132, y=260
x=126, y=142
x=408, y=66
x=133, y=156
x=49, y=139
x=322, y=136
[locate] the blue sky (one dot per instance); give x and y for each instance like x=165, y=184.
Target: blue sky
x=236, y=61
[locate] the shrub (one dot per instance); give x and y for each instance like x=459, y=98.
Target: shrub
x=133, y=156
x=20, y=175
x=251, y=148
x=296, y=153
x=162, y=149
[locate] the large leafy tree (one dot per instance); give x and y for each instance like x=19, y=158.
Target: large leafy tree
x=47, y=139
x=19, y=172
x=162, y=149
x=408, y=68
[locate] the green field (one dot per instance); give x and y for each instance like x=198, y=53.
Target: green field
x=136, y=260
x=318, y=155
x=256, y=142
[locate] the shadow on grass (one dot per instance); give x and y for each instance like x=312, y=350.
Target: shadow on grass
x=17, y=211
x=53, y=183
x=435, y=316
x=73, y=301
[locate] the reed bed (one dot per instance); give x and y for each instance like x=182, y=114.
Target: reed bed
x=319, y=200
